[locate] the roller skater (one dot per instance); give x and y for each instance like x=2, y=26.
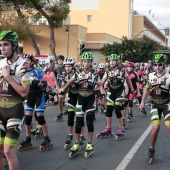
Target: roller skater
x=120, y=134
x=158, y=88
x=87, y=80
x=68, y=142
x=26, y=144
x=151, y=153
x=89, y=150
x=105, y=133
x=46, y=144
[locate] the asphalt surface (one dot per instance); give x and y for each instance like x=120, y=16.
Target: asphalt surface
x=108, y=153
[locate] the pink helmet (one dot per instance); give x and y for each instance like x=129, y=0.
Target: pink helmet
x=130, y=64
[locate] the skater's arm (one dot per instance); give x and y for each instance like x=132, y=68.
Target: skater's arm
x=68, y=84
x=145, y=94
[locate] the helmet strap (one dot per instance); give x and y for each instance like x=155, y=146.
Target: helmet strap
x=13, y=51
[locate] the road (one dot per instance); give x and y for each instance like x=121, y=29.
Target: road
x=130, y=153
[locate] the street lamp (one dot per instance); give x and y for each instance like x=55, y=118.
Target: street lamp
x=68, y=32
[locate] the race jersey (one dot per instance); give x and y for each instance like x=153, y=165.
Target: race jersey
x=35, y=76
x=134, y=79
x=87, y=82
x=19, y=70
x=140, y=73
x=114, y=78
x=59, y=72
x=74, y=87
x=159, y=87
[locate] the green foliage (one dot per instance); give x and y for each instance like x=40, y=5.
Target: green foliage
x=137, y=50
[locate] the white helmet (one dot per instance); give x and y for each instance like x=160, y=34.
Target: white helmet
x=69, y=60
x=102, y=65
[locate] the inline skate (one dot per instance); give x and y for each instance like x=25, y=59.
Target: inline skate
x=129, y=117
x=38, y=132
x=124, y=123
x=5, y=162
x=26, y=144
x=89, y=150
x=144, y=111
x=68, y=142
x=151, y=153
x=105, y=133
x=120, y=134
x=74, y=149
x=82, y=142
x=46, y=144
x=59, y=118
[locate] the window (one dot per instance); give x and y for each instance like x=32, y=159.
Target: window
x=89, y=18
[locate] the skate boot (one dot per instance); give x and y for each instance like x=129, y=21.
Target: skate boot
x=38, y=133
x=74, y=149
x=151, y=153
x=82, y=142
x=124, y=123
x=120, y=134
x=89, y=150
x=102, y=110
x=129, y=118
x=26, y=144
x=59, y=118
x=68, y=142
x=46, y=144
x=149, y=104
x=105, y=133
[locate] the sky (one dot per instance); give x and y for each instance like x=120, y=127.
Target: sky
x=158, y=11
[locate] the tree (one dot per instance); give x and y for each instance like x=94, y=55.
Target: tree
x=54, y=11
x=137, y=50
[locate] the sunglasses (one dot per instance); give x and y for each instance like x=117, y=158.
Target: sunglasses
x=159, y=64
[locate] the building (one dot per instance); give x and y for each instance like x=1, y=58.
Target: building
x=95, y=23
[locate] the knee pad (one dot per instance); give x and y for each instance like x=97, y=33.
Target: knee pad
x=41, y=120
x=118, y=111
x=28, y=120
x=130, y=103
x=89, y=120
x=167, y=119
x=70, y=121
x=79, y=124
x=109, y=111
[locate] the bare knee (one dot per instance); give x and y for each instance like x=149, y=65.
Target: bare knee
x=9, y=151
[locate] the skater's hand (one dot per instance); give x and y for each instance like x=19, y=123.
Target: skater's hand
x=133, y=92
x=6, y=71
x=138, y=95
x=141, y=106
x=61, y=92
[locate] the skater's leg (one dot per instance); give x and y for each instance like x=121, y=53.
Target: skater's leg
x=43, y=124
x=109, y=111
x=10, y=153
x=28, y=120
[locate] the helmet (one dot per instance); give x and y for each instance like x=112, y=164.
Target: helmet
x=160, y=58
x=101, y=65
x=61, y=57
x=126, y=61
x=87, y=56
x=9, y=35
x=29, y=56
x=136, y=64
x=150, y=61
x=142, y=64
x=69, y=60
x=130, y=64
x=113, y=57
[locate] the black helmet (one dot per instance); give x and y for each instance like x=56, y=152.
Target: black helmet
x=29, y=56
x=61, y=57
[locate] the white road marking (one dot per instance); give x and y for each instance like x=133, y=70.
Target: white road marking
x=126, y=160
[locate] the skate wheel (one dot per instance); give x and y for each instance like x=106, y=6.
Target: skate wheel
x=86, y=155
x=66, y=146
x=116, y=137
x=70, y=155
x=150, y=161
x=98, y=135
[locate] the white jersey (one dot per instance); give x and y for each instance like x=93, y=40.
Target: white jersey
x=159, y=87
x=19, y=70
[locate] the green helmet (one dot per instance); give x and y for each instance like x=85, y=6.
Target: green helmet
x=87, y=56
x=113, y=57
x=8, y=35
x=160, y=58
